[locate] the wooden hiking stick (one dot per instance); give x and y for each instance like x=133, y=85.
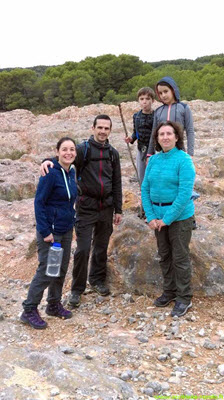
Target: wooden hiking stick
x=130, y=153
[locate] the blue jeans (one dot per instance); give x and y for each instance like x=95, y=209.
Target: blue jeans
x=41, y=281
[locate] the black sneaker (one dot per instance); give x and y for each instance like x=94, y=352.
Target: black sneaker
x=74, y=300
x=33, y=319
x=57, y=310
x=101, y=289
x=180, y=309
x=164, y=300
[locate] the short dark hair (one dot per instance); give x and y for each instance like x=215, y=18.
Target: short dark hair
x=62, y=140
x=178, y=130
x=102, y=116
x=146, y=91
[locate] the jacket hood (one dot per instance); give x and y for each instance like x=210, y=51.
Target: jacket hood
x=106, y=145
x=172, y=83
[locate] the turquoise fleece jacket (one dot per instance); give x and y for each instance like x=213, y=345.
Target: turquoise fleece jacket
x=169, y=177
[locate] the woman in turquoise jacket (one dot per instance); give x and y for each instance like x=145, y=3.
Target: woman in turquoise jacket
x=166, y=198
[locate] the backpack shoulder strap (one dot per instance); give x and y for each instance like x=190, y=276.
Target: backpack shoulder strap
x=183, y=104
x=86, y=156
x=137, y=118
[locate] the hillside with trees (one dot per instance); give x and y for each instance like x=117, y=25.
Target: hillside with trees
x=106, y=79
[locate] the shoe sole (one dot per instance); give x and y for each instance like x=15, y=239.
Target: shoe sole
x=164, y=305
x=183, y=313
x=24, y=321
x=59, y=316
x=101, y=294
x=76, y=305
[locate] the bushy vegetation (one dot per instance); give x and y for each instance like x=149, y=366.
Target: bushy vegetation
x=108, y=79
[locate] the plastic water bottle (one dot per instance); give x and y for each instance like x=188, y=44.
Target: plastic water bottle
x=54, y=260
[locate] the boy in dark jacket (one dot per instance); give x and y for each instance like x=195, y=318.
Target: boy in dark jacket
x=142, y=128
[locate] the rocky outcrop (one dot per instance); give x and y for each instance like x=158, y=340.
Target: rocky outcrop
x=27, y=139
x=118, y=347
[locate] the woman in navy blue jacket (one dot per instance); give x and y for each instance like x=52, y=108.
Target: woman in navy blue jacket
x=55, y=217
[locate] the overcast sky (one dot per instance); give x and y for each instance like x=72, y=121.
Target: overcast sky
x=51, y=32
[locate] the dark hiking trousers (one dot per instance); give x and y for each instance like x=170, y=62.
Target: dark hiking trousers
x=41, y=281
x=173, y=248
x=98, y=234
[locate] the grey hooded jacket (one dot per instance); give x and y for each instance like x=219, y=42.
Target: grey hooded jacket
x=179, y=112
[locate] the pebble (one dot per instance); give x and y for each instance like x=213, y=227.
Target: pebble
x=165, y=386
x=142, y=339
x=112, y=361
x=162, y=357
x=107, y=311
x=66, y=349
x=126, y=375
x=190, y=317
x=175, y=380
x=113, y=319
x=209, y=345
x=166, y=350
x=163, y=328
x=128, y=297
x=9, y=237
x=221, y=369
x=177, y=356
x=201, y=332
x=88, y=357
x=100, y=299
x=131, y=320
x=148, y=391
x=55, y=392
x=156, y=386
x=190, y=354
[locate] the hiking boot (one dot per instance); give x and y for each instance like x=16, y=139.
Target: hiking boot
x=180, y=309
x=101, y=289
x=164, y=300
x=57, y=310
x=33, y=319
x=74, y=300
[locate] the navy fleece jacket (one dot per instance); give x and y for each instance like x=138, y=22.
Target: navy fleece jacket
x=54, y=201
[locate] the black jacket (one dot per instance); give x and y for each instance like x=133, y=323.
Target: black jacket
x=99, y=178
x=142, y=128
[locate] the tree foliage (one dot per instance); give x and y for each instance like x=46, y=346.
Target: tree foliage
x=109, y=79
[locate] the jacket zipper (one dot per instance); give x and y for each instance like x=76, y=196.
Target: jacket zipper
x=168, y=112
x=100, y=177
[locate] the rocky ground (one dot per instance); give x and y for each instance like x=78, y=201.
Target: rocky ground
x=121, y=346
x=115, y=347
